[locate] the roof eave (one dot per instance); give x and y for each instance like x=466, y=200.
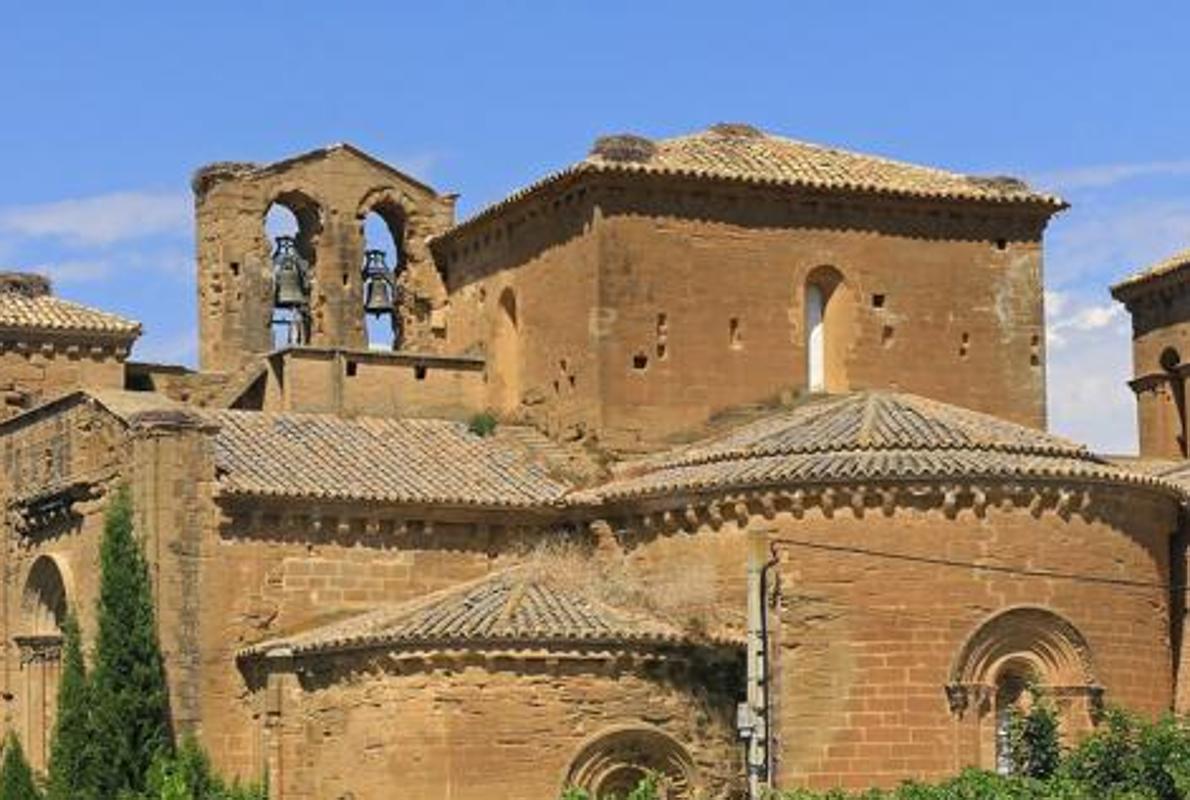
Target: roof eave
x=1050, y=204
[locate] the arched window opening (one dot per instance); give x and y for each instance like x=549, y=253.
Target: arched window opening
x=44, y=599
x=384, y=261
x=1011, y=698
x=1170, y=362
x=829, y=316
x=1008, y=655
x=44, y=607
x=505, y=366
x=292, y=224
x=815, y=339
x=612, y=763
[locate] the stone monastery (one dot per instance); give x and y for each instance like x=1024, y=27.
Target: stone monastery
x=722, y=456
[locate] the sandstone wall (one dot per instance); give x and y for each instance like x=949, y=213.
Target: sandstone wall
x=330, y=192
x=272, y=571
x=57, y=474
x=31, y=374
x=497, y=727
x=644, y=309
x=362, y=383
x=528, y=302
x=863, y=647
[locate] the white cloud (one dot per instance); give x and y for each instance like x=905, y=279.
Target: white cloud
x=1090, y=361
x=1104, y=175
x=101, y=219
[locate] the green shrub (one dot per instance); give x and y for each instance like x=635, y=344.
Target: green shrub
x=1034, y=742
x=16, y=777
x=482, y=424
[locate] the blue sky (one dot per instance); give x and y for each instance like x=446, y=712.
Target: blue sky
x=105, y=109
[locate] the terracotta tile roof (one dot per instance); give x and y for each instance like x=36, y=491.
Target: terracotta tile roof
x=373, y=459
x=744, y=154
x=514, y=606
x=53, y=314
x=1176, y=472
x=1175, y=264
x=863, y=437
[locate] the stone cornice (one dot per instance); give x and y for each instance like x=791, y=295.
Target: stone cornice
x=1037, y=497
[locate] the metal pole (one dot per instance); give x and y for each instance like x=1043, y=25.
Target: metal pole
x=754, y=720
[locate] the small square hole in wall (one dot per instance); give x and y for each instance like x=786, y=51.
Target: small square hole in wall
x=877, y=301
x=640, y=362
x=352, y=368
x=419, y=372
x=1001, y=244
x=235, y=268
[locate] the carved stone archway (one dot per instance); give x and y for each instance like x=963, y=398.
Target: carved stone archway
x=1023, y=644
x=44, y=605
x=612, y=763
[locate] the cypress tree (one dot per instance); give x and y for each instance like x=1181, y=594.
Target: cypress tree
x=16, y=777
x=72, y=734
x=129, y=697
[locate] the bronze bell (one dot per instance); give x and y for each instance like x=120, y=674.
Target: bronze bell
x=378, y=284
x=291, y=287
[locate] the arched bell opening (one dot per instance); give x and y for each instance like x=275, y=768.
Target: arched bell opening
x=383, y=228
x=292, y=224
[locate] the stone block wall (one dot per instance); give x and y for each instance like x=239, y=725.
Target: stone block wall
x=864, y=647
x=506, y=725
x=330, y=192
x=33, y=371
x=362, y=383
x=645, y=309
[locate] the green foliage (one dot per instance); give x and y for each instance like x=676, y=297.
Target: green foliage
x=16, y=778
x=1034, y=744
x=187, y=775
x=1126, y=758
x=649, y=788
x=128, y=698
x=70, y=754
x=483, y=424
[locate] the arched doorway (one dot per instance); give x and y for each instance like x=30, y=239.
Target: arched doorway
x=44, y=605
x=505, y=356
x=828, y=315
x=612, y=763
x=292, y=224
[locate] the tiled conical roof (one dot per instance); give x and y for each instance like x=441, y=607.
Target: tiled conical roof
x=513, y=606
x=864, y=436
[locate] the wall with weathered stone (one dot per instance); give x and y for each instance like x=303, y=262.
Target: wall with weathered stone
x=33, y=371
x=330, y=192
x=863, y=646
x=504, y=725
x=74, y=456
x=269, y=571
x=680, y=300
x=362, y=383
x=527, y=300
